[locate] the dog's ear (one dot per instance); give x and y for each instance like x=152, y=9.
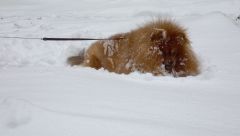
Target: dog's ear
x=158, y=34
x=181, y=39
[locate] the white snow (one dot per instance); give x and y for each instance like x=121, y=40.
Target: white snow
x=40, y=95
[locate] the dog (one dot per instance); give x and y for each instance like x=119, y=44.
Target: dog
x=160, y=47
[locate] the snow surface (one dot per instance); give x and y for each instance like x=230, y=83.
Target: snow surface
x=40, y=95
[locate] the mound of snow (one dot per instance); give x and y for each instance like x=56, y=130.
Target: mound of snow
x=41, y=95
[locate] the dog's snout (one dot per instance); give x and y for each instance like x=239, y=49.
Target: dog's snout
x=168, y=65
x=169, y=62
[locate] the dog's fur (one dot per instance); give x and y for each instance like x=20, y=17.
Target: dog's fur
x=160, y=47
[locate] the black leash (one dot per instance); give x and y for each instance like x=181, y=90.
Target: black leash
x=71, y=39
x=58, y=39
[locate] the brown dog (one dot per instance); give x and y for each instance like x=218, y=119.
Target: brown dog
x=161, y=47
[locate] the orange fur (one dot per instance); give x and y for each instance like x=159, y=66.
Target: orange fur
x=161, y=47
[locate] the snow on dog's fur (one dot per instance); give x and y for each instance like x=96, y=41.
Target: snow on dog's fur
x=160, y=47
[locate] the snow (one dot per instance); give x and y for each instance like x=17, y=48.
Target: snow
x=41, y=95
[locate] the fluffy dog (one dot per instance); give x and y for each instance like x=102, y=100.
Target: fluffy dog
x=160, y=47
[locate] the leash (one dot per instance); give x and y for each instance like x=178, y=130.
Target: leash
x=58, y=39
x=15, y=37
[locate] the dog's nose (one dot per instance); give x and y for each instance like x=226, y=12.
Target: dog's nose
x=168, y=65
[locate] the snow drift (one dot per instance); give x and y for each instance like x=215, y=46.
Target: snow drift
x=41, y=95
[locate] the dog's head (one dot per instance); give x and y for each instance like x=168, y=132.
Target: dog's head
x=171, y=45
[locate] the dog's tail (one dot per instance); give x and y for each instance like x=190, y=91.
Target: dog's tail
x=76, y=60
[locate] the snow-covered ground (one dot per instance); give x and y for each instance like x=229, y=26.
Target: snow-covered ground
x=42, y=96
